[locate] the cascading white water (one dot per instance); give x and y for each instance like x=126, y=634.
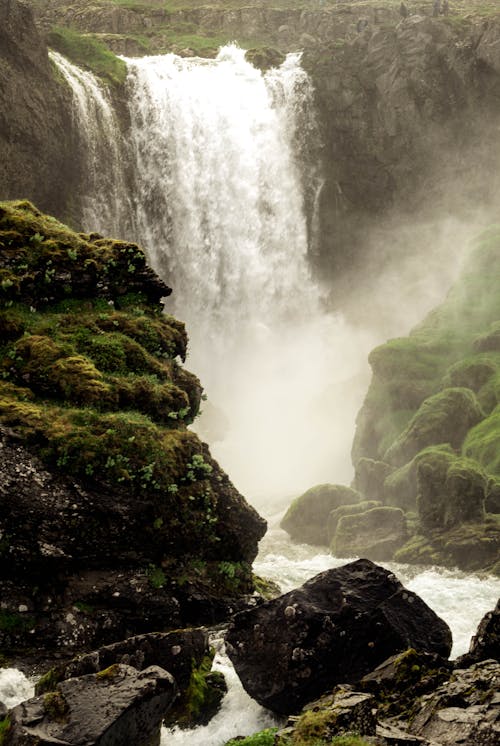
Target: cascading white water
x=220, y=207
x=103, y=192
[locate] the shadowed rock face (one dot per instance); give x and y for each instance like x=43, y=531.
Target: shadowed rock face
x=39, y=151
x=335, y=628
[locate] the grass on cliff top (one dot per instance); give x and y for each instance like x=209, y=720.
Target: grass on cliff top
x=88, y=52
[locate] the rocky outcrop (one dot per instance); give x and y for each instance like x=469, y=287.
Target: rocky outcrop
x=307, y=517
x=39, y=146
x=334, y=629
x=116, y=706
x=114, y=519
x=465, y=710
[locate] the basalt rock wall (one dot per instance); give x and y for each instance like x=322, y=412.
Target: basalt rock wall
x=39, y=152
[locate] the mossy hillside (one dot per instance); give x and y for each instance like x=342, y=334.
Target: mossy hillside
x=88, y=52
x=91, y=380
x=408, y=371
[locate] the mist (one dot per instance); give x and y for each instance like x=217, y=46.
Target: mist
x=283, y=397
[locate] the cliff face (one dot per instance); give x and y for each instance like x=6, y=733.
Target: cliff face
x=38, y=144
x=114, y=519
x=410, y=117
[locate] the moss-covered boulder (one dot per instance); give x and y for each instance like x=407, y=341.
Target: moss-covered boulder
x=354, y=509
x=306, y=519
x=445, y=417
x=376, y=534
x=451, y=490
x=400, y=487
x=103, y=485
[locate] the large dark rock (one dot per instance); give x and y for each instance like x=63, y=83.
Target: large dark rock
x=114, y=518
x=335, y=628
x=114, y=707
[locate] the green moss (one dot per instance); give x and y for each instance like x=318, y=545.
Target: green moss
x=5, y=724
x=483, y=443
x=445, y=417
x=202, y=696
x=86, y=51
x=56, y=706
x=307, y=517
x=108, y=674
x=264, y=738
x=48, y=682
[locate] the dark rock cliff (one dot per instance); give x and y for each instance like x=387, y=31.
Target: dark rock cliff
x=39, y=151
x=114, y=519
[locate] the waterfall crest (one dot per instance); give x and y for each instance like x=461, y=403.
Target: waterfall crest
x=218, y=186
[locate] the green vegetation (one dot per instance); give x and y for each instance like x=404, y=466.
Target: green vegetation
x=88, y=52
x=433, y=414
x=4, y=729
x=56, y=706
x=264, y=738
x=202, y=697
x=90, y=375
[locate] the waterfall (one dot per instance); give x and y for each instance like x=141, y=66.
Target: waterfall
x=222, y=196
x=105, y=204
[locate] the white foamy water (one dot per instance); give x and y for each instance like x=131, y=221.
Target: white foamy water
x=14, y=687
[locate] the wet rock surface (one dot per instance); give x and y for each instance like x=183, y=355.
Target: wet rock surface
x=117, y=706
x=334, y=629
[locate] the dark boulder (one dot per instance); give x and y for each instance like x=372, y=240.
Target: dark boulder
x=334, y=629
x=117, y=706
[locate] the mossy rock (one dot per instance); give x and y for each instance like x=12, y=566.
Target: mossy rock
x=483, y=443
x=263, y=58
x=455, y=347
x=91, y=383
x=489, y=341
x=306, y=520
x=445, y=417
x=471, y=373
x=469, y=547
x=492, y=497
x=375, y=534
x=370, y=476
x=451, y=490
x=355, y=509
x=201, y=699
x=400, y=487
